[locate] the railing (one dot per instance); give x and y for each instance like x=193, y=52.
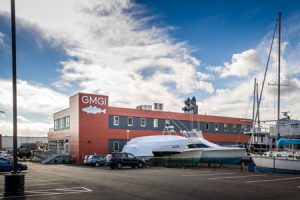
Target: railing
x=285, y=131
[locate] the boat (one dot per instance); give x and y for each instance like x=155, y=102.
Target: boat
x=190, y=145
x=201, y=150
x=286, y=157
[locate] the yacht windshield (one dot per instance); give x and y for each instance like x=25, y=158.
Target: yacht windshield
x=197, y=146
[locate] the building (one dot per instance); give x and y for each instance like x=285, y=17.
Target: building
x=90, y=126
x=6, y=142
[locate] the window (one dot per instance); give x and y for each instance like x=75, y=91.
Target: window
x=155, y=123
x=130, y=156
x=55, y=124
x=243, y=128
x=216, y=126
x=206, y=126
x=248, y=127
x=234, y=127
x=68, y=122
x=116, y=146
x=61, y=123
x=130, y=121
x=143, y=122
x=116, y=120
x=167, y=122
x=225, y=127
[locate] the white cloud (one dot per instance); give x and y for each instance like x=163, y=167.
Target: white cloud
x=117, y=52
x=32, y=98
x=26, y=128
x=241, y=65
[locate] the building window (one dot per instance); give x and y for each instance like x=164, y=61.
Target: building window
x=234, y=127
x=62, y=123
x=243, y=128
x=143, y=122
x=248, y=128
x=206, y=126
x=225, y=127
x=116, y=120
x=68, y=122
x=55, y=124
x=155, y=123
x=116, y=146
x=216, y=126
x=130, y=121
x=167, y=122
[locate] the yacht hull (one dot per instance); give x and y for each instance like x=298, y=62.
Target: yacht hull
x=276, y=165
x=212, y=155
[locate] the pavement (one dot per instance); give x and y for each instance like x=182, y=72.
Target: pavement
x=81, y=182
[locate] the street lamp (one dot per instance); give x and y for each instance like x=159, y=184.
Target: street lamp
x=14, y=183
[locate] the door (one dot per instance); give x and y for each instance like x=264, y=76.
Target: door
x=131, y=160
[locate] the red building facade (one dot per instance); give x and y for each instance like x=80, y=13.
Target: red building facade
x=91, y=126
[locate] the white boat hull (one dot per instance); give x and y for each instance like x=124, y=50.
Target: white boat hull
x=276, y=164
x=220, y=155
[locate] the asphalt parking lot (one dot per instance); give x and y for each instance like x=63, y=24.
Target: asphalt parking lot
x=80, y=182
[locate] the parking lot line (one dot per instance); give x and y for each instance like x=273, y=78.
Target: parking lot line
x=272, y=180
x=36, y=185
x=201, y=174
x=47, y=192
x=44, y=180
x=231, y=177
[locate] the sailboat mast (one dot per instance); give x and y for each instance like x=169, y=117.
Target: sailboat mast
x=253, y=115
x=279, y=52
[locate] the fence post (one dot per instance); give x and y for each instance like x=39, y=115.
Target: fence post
x=214, y=164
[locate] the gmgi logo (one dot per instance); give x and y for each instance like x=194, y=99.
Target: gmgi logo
x=93, y=100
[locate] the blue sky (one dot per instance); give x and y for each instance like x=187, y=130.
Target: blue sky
x=162, y=51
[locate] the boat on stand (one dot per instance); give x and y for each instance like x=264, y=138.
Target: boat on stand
x=286, y=157
x=189, y=146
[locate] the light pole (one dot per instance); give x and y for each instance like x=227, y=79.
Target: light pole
x=14, y=183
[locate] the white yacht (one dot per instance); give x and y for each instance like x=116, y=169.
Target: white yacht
x=190, y=146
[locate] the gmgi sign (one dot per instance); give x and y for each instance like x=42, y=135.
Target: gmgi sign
x=93, y=100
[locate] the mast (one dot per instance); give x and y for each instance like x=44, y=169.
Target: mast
x=279, y=51
x=253, y=114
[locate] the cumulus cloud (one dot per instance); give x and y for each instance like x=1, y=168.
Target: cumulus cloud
x=241, y=65
x=117, y=51
x=32, y=98
x=26, y=127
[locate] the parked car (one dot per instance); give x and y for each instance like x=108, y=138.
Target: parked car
x=24, y=153
x=118, y=160
x=96, y=160
x=7, y=165
x=86, y=159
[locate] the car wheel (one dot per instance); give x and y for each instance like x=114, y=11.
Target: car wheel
x=119, y=165
x=97, y=164
x=140, y=165
x=18, y=170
